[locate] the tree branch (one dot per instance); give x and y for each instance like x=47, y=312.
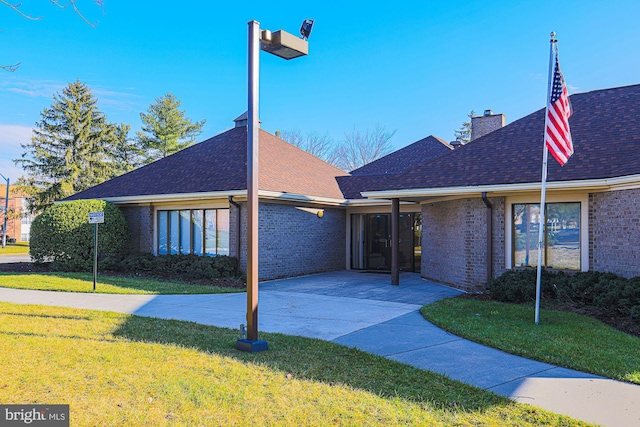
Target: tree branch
x=10, y=68
x=16, y=7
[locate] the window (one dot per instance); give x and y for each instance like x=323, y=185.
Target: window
x=193, y=231
x=562, y=248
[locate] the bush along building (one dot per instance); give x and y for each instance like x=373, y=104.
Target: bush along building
x=463, y=215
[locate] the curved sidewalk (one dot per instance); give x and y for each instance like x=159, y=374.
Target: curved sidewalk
x=363, y=310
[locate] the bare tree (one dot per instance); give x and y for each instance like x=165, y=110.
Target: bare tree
x=17, y=8
x=358, y=148
x=317, y=144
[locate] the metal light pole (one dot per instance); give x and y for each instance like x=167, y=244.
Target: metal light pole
x=6, y=212
x=287, y=46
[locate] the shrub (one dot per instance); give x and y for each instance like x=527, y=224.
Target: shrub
x=187, y=266
x=519, y=285
x=62, y=235
x=605, y=291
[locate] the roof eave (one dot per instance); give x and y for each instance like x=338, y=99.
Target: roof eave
x=603, y=184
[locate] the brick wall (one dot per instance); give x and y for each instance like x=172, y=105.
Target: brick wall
x=454, y=245
x=14, y=221
x=614, y=232
x=293, y=242
x=140, y=220
x=482, y=125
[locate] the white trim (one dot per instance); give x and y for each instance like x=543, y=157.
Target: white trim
x=616, y=183
x=264, y=194
x=292, y=197
x=583, y=198
x=157, y=198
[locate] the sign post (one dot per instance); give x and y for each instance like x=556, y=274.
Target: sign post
x=95, y=218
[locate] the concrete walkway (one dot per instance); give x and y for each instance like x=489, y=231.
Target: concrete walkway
x=363, y=310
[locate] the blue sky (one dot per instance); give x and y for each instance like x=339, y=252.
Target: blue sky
x=417, y=67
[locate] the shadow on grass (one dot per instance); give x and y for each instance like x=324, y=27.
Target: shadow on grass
x=317, y=360
x=140, y=283
x=45, y=316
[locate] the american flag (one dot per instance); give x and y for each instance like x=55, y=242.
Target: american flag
x=557, y=133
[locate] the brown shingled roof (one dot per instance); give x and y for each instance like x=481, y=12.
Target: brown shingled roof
x=372, y=175
x=219, y=164
x=606, y=135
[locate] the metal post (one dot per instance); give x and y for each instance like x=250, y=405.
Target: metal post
x=395, y=242
x=252, y=343
x=95, y=255
x=543, y=190
x=6, y=213
x=252, y=181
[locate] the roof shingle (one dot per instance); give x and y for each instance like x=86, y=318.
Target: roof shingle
x=220, y=164
x=606, y=136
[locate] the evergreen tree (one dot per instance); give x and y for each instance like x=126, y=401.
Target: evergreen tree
x=165, y=129
x=70, y=149
x=126, y=154
x=463, y=134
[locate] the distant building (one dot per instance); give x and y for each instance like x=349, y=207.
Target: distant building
x=18, y=221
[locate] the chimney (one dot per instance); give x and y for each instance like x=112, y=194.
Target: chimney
x=485, y=124
x=243, y=120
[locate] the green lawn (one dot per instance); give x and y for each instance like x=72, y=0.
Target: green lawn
x=563, y=339
x=83, y=282
x=117, y=369
x=20, y=248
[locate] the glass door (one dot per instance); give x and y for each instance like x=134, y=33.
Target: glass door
x=379, y=242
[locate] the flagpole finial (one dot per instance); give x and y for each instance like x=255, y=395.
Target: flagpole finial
x=553, y=36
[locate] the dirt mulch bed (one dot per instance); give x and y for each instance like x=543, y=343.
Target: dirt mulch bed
x=22, y=267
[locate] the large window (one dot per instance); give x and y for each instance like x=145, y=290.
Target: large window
x=193, y=231
x=561, y=239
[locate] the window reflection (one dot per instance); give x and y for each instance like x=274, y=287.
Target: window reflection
x=562, y=235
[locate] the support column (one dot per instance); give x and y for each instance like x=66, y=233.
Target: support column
x=395, y=242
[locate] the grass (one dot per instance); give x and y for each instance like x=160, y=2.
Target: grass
x=117, y=369
x=83, y=282
x=564, y=339
x=19, y=248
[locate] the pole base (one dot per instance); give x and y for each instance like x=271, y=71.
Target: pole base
x=252, y=346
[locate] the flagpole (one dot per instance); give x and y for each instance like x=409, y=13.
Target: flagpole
x=543, y=190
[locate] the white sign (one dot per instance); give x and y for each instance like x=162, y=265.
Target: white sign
x=96, y=217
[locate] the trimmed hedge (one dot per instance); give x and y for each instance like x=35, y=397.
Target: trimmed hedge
x=186, y=266
x=62, y=235
x=605, y=291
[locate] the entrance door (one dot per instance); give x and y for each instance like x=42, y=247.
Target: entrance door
x=371, y=241
x=378, y=242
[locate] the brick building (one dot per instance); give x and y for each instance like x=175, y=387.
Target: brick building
x=18, y=222
x=465, y=214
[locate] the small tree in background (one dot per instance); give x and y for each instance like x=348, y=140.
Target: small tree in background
x=317, y=144
x=126, y=154
x=165, y=129
x=463, y=134
x=62, y=235
x=358, y=149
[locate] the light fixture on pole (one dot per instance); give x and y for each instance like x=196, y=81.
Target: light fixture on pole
x=287, y=46
x=6, y=212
